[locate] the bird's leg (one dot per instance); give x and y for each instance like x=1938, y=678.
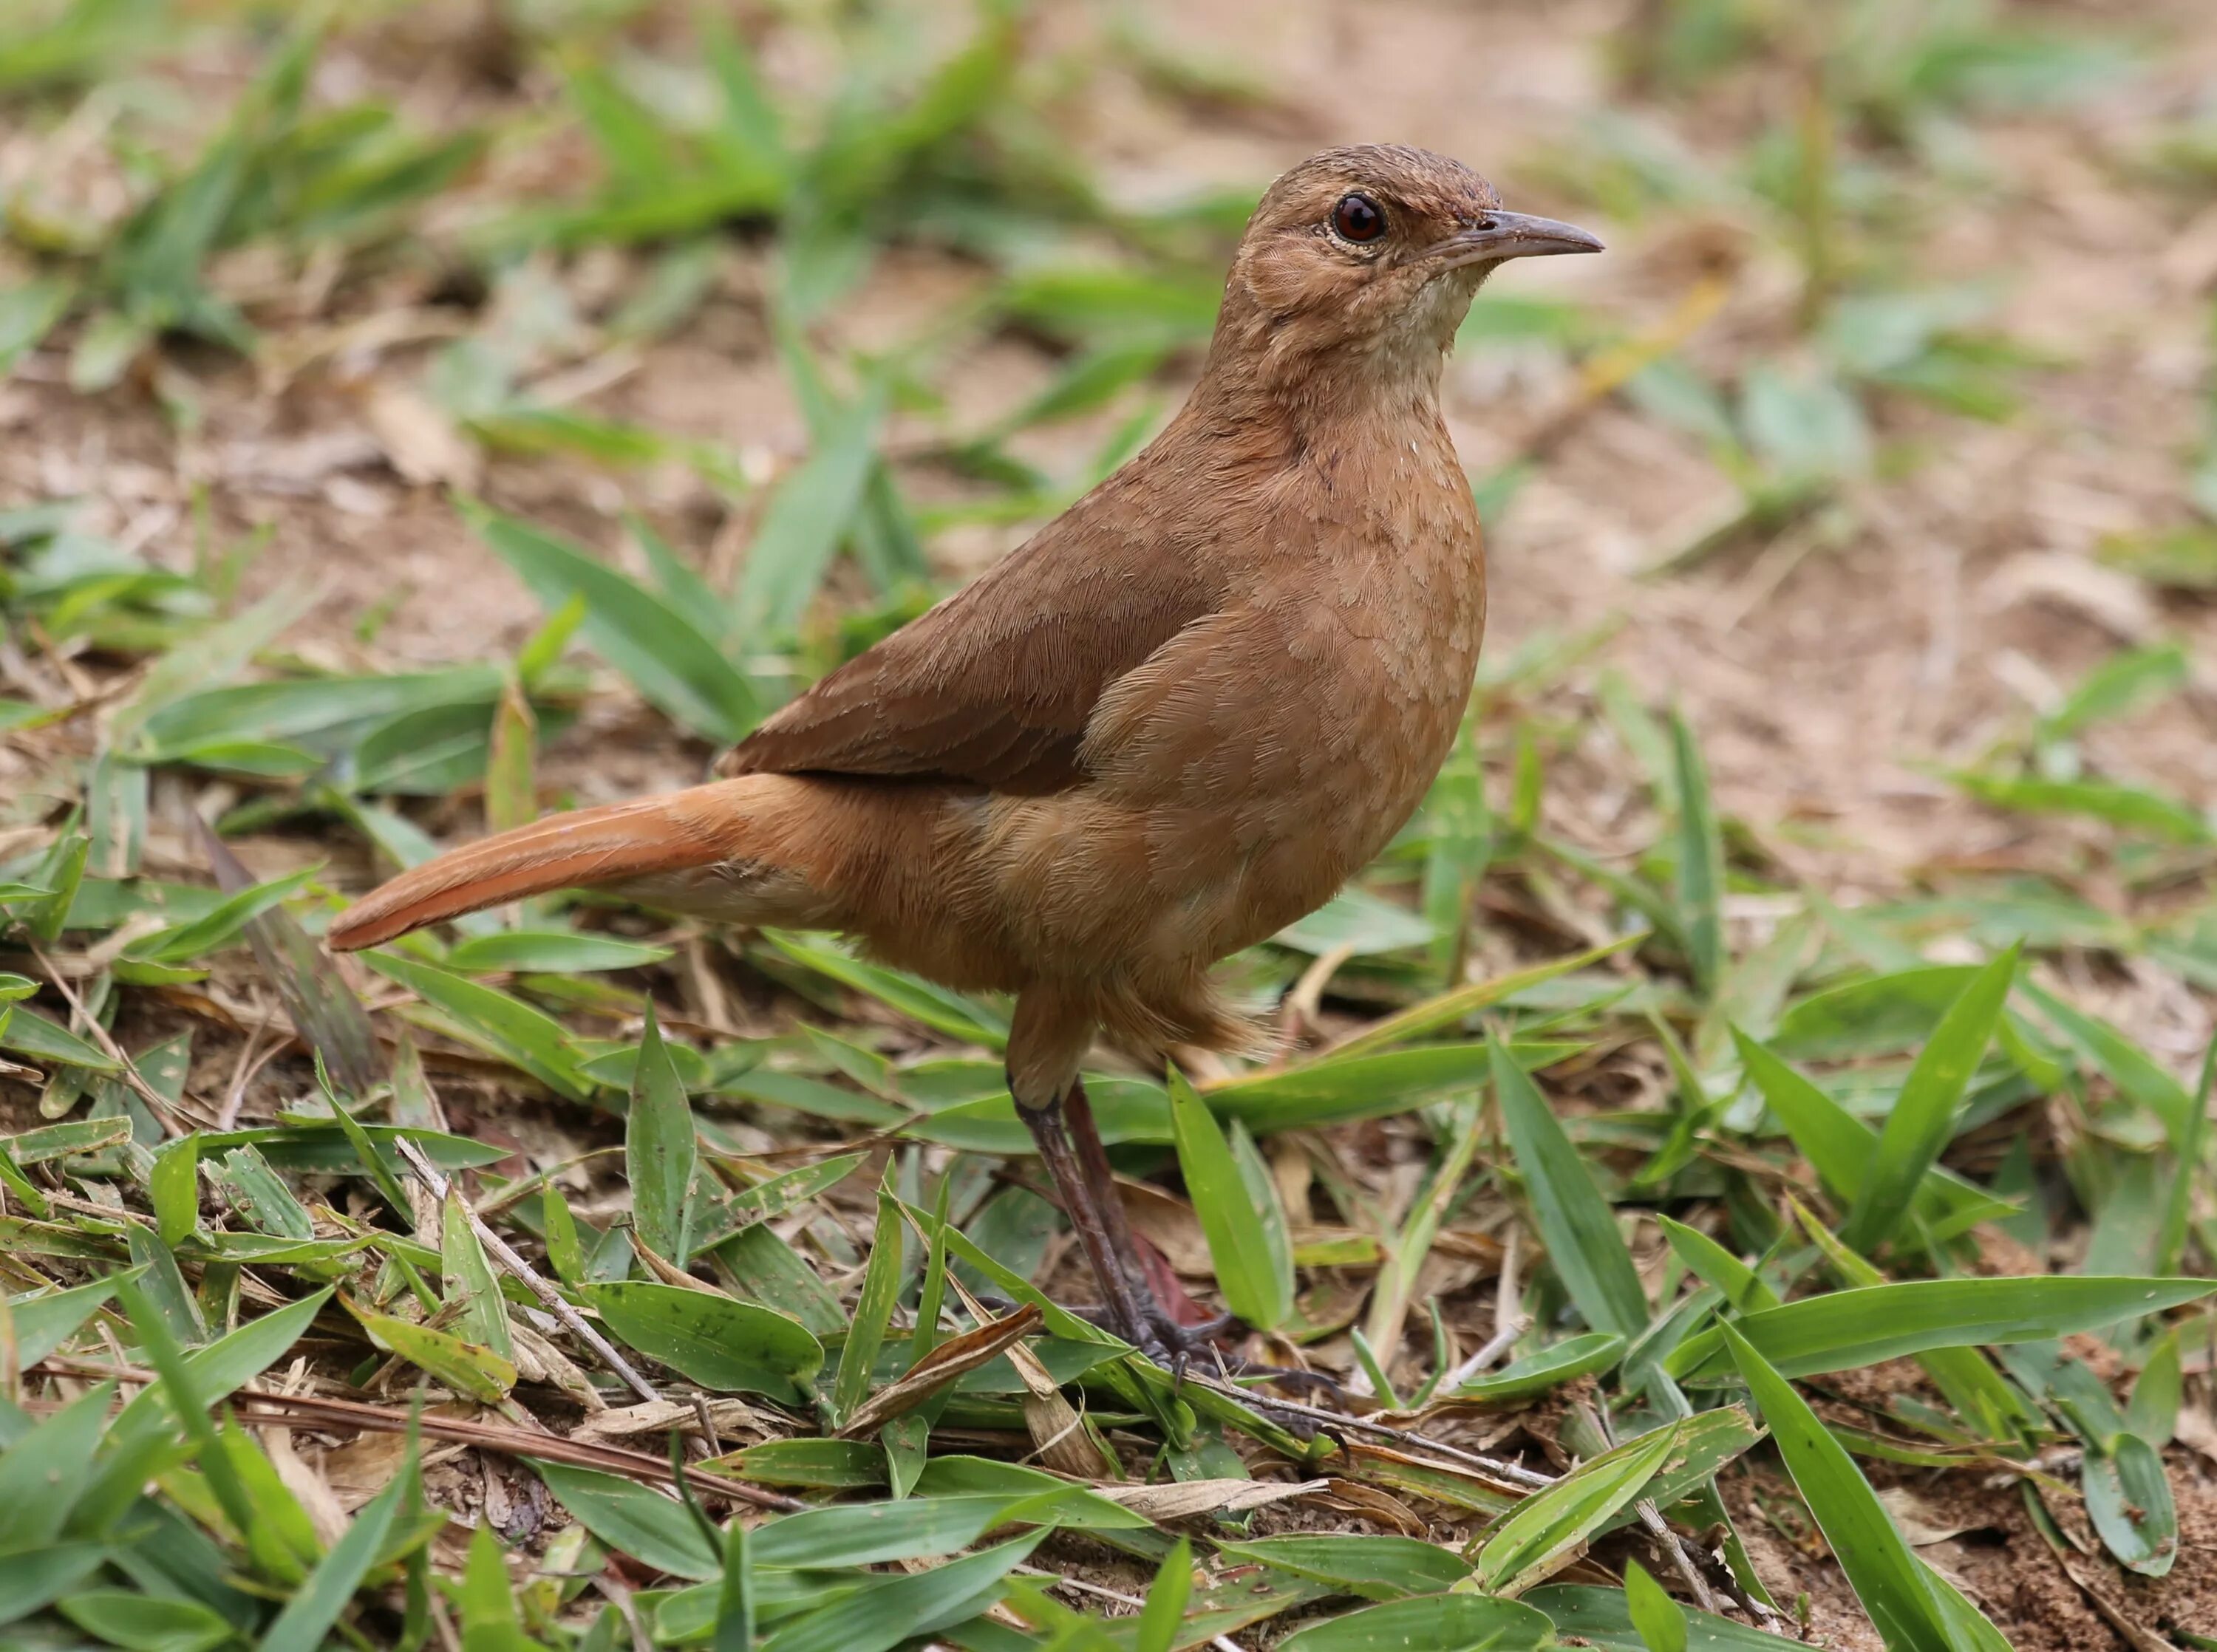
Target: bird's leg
x=1050, y=1132
x=1101, y=1186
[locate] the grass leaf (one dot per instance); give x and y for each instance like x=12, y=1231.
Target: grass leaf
x=1700, y=858
x=1661, y=1620
x=1843, y=1330
x=1923, y=1115
x=314, y=1608
x=1548, y=1528
x=732, y=1348
x=873, y=1309
x=1431, y=1623
x=1575, y=1223
x=1886, y=1576
x=660, y=1150
x=1240, y=1215
x=666, y=656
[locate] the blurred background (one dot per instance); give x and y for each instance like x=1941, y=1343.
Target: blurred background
x=1887, y=421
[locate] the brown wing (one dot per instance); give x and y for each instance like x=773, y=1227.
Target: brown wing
x=995, y=685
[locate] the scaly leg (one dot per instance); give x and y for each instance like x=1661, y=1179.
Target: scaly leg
x=1101, y=1184
x=1051, y=1133
x=1047, y=1037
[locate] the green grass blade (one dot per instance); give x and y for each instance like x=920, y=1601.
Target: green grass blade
x=314, y=1608
x=1700, y=858
x=1923, y=1114
x=805, y=520
x=42, y=1475
x=1243, y=1221
x=471, y=1284
x=735, y=1595
x=1660, y=1620
x=634, y=1520
x=1843, y=1330
x=42, y=1324
x=1575, y=1223
x=1549, y=1528
x=1841, y=1146
x=498, y=1022
x=1985, y=1402
x=661, y=1151
x=1432, y=1623
x=1885, y=1575
x=873, y=1309
x=2129, y=1502
x=1450, y=1007
x=1157, y=1626
x=883, y=1615
x=728, y=1346
x=1397, y=1281
x=664, y=653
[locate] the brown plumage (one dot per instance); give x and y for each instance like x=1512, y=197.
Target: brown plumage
x=1172, y=723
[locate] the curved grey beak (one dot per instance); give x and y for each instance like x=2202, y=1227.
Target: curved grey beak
x=1510, y=235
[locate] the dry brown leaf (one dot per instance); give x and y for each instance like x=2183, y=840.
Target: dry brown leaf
x=660, y=1417
x=1060, y=1437
x=2198, y=1429
x=326, y=1510
x=1920, y=1523
x=1355, y=1498
x=669, y=1274
x=1062, y=1441
x=1183, y=1499
x=949, y=1361
x=420, y=441
x=2136, y=1634
x=362, y=1468
x=540, y=1360
x=1168, y=1221
x=300, y=466
x=1362, y=1450
x=2116, y=601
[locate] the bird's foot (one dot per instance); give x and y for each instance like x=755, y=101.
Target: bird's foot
x=1167, y=1341
x=1171, y=1344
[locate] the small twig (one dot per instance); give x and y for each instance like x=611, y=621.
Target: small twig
x=257, y=1407
x=235, y=1099
x=156, y=1103
x=1658, y=1527
x=1515, y=1473
x=707, y=1425
x=1304, y=1003
x=1078, y=1585
x=1667, y=1540
x=1497, y=1345
x=504, y=1254
x=1504, y=1287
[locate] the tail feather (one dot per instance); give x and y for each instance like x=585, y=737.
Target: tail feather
x=649, y=837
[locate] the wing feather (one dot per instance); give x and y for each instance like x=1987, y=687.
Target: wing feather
x=995, y=685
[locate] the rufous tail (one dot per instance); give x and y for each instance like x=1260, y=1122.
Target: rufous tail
x=648, y=838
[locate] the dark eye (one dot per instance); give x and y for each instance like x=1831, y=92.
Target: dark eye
x=1358, y=218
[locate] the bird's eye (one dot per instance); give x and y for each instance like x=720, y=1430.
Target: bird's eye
x=1358, y=218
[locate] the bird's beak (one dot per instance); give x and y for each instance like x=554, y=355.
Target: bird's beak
x=1500, y=235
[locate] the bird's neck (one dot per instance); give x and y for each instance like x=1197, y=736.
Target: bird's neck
x=1290, y=382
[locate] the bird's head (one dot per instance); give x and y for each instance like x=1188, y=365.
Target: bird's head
x=1371, y=255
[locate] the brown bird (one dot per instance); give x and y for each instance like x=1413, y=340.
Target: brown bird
x=1172, y=723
